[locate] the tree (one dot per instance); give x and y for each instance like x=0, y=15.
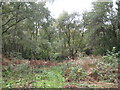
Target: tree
x=101, y=28
x=118, y=24
x=70, y=32
x=22, y=24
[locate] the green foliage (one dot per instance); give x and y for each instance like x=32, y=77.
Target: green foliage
x=74, y=72
x=49, y=79
x=21, y=68
x=101, y=35
x=111, y=56
x=16, y=70
x=41, y=78
x=27, y=29
x=70, y=32
x=17, y=55
x=99, y=51
x=30, y=32
x=107, y=69
x=56, y=76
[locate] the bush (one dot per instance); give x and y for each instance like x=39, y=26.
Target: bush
x=73, y=72
x=110, y=56
x=105, y=70
x=17, y=55
x=16, y=70
x=21, y=68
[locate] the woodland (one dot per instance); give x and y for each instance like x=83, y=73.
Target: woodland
x=75, y=50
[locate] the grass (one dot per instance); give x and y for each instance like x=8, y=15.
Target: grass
x=22, y=76
x=48, y=78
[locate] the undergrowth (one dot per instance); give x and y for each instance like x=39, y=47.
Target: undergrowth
x=24, y=76
x=107, y=69
x=40, y=78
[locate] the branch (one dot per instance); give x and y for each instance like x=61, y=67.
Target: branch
x=13, y=25
x=8, y=21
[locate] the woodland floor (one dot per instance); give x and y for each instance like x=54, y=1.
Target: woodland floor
x=49, y=74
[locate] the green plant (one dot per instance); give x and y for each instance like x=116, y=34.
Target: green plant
x=105, y=69
x=21, y=68
x=51, y=78
x=111, y=56
x=16, y=55
x=73, y=72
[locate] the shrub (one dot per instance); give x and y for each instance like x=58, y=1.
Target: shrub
x=105, y=70
x=73, y=72
x=110, y=56
x=16, y=55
